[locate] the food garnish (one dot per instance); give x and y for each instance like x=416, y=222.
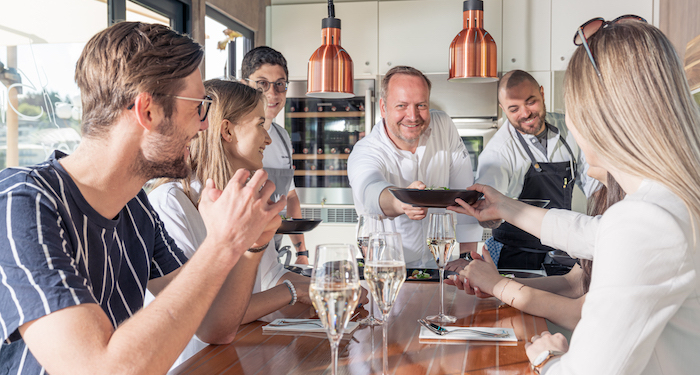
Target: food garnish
x=419, y=275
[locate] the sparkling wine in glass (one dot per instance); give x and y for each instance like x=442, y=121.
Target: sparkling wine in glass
x=441, y=240
x=366, y=225
x=335, y=291
x=385, y=272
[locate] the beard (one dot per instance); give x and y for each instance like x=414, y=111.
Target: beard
x=540, y=123
x=396, y=132
x=165, y=157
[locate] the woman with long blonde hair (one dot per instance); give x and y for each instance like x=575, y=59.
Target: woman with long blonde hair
x=235, y=139
x=630, y=110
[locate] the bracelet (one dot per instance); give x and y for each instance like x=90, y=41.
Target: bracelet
x=504, y=288
x=259, y=248
x=513, y=299
x=292, y=291
x=304, y=253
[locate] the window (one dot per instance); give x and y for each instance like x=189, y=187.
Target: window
x=224, y=62
x=40, y=108
x=39, y=101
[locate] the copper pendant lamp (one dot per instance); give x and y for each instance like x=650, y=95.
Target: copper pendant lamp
x=473, y=50
x=330, y=67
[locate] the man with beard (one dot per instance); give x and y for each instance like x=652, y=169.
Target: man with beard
x=532, y=156
x=82, y=243
x=411, y=147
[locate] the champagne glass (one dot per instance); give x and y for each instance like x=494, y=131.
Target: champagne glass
x=366, y=225
x=385, y=272
x=335, y=290
x=441, y=239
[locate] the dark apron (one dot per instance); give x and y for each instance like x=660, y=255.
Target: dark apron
x=551, y=181
x=282, y=177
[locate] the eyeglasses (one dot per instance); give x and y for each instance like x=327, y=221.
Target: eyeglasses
x=202, y=108
x=592, y=26
x=280, y=86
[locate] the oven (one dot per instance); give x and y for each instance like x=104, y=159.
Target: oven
x=475, y=134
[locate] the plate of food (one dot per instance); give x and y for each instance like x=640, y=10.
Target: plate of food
x=435, y=198
x=523, y=274
x=297, y=226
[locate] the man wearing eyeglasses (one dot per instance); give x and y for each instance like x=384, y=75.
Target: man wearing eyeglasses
x=81, y=242
x=532, y=156
x=266, y=69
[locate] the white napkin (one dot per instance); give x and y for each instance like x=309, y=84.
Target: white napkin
x=304, y=325
x=466, y=335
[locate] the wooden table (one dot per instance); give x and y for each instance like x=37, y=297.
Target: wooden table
x=253, y=352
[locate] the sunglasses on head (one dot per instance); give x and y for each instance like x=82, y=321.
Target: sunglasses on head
x=592, y=26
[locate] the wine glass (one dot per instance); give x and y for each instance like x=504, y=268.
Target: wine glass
x=366, y=225
x=441, y=239
x=335, y=290
x=385, y=272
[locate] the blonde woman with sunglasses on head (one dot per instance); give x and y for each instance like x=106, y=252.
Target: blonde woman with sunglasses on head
x=629, y=107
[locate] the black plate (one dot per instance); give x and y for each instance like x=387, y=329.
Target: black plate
x=435, y=198
x=562, y=258
x=521, y=274
x=297, y=226
x=541, y=203
x=434, y=273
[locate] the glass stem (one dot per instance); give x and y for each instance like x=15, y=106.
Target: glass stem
x=385, y=353
x=442, y=292
x=334, y=356
x=371, y=306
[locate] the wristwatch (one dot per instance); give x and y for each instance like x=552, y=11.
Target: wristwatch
x=543, y=358
x=304, y=253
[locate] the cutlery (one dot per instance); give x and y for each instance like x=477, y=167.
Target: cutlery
x=283, y=323
x=442, y=331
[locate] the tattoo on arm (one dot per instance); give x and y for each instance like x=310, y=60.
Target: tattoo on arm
x=297, y=245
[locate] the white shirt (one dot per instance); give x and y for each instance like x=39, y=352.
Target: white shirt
x=642, y=312
x=504, y=162
x=277, y=153
x=185, y=225
x=441, y=159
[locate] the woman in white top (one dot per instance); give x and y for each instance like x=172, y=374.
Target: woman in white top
x=236, y=138
x=630, y=109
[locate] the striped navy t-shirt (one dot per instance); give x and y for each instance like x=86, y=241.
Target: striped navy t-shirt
x=57, y=252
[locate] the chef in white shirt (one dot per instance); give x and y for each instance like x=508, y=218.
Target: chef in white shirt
x=532, y=156
x=411, y=147
x=266, y=69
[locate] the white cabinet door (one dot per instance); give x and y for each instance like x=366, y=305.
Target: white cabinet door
x=526, y=35
x=295, y=31
x=544, y=79
x=419, y=33
x=567, y=15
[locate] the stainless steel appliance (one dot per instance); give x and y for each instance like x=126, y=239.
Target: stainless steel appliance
x=473, y=108
x=323, y=133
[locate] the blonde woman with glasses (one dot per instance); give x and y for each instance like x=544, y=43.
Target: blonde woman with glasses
x=630, y=110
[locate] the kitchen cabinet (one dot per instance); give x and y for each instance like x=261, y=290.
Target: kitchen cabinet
x=526, y=35
x=295, y=31
x=545, y=80
x=418, y=33
x=567, y=15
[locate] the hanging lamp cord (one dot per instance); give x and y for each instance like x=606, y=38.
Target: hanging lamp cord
x=331, y=9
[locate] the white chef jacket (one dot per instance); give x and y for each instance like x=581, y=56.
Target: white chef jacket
x=441, y=159
x=642, y=312
x=185, y=225
x=504, y=162
x=277, y=153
